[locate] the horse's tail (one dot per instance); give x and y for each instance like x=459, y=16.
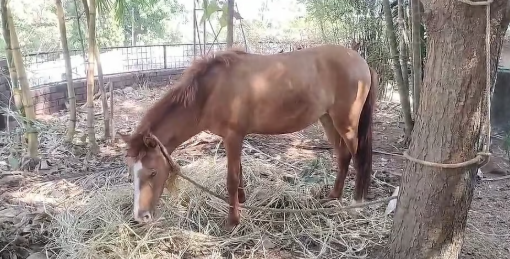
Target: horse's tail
x=364, y=152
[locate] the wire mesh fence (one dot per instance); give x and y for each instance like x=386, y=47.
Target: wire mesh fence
x=49, y=67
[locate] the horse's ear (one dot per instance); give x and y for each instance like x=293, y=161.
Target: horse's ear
x=150, y=141
x=124, y=137
x=355, y=44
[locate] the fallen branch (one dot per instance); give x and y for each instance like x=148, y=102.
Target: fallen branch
x=496, y=178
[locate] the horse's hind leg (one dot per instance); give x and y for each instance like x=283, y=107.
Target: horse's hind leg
x=342, y=153
x=349, y=134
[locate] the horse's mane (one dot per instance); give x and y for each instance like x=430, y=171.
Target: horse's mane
x=187, y=91
x=188, y=88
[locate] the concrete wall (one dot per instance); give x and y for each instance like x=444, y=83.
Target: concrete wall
x=49, y=99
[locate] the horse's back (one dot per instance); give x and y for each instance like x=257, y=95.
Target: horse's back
x=321, y=63
x=280, y=93
x=344, y=61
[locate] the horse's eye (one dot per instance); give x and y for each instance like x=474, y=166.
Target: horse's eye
x=153, y=173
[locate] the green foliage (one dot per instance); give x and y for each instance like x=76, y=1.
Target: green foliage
x=122, y=7
x=335, y=19
x=341, y=21
x=108, y=32
x=210, y=7
x=220, y=8
x=37, y=27
x=151, y=20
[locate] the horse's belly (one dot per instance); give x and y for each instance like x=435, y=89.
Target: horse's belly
x=281, y=121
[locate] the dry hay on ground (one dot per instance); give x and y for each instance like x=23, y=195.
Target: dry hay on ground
x=191, y=224
x=66, y=179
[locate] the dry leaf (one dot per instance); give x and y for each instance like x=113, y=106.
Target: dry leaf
x=267, y=243
x=392, y=205
x=9, y=213
x=38, y=255
x=44, y=165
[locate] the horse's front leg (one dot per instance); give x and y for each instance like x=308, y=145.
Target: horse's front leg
x=233, y=144
x=240, y=194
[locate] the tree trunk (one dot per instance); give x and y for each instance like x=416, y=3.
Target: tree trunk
x=15, y=90
x=100, y=76
x=409, y=49
x=26, y=95
x=133, y=27
x=112, y=121
x=230, y=24
x=104, y=101
x=397, y=70
x=80, y=34
x=90, y=77
x=417, y=59
x=69, y=71
x=407, y=26
x=404, y=56
x=433, y=204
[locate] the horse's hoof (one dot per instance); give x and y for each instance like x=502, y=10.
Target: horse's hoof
x=333, y=196
x=231, y=224
x=233, y=218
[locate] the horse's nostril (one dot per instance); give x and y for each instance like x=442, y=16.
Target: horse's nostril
x=143, y=217
x=146, y=217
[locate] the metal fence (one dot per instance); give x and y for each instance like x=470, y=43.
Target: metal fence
x=49, y=67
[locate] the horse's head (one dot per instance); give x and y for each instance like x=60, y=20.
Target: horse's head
x=151, y=166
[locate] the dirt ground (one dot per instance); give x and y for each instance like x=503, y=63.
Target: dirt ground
x=488, y=231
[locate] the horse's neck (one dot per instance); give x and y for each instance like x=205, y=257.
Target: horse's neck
x=178, y=126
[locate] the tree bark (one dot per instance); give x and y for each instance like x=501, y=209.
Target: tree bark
x=100, y=76
x=404, y=56
x=431, y=214
x=15, y=90
x=104, y=101
x=69, y=72
x=26, y=95
x=409, y=49
x=397, y=70
x=230, y=24
x=417, y=59
x=90, y=77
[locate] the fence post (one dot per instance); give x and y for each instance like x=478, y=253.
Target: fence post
x=164, y=56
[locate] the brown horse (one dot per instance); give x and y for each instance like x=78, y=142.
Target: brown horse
x=234, y=94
